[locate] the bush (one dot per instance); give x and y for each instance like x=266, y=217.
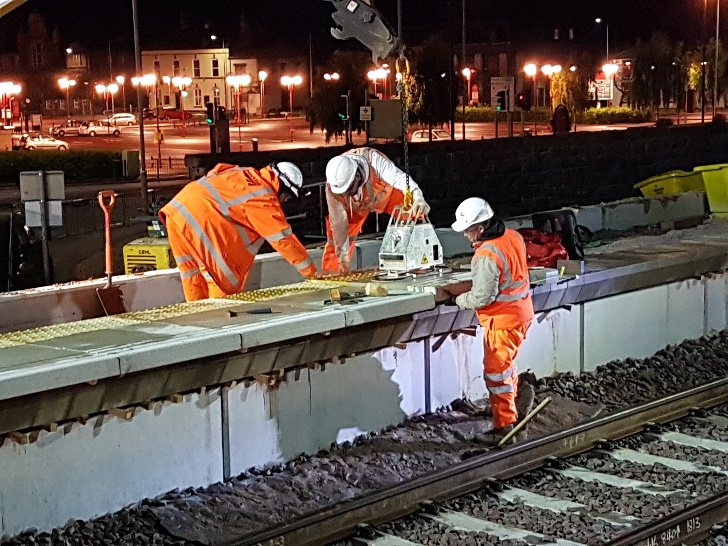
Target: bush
x=482, y=113
x=620, y=114
x=78, y=165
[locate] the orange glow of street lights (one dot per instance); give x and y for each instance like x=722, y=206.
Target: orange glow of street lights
x=610, y=69
x=328, y=77
x=290, y=81
x=530, y=70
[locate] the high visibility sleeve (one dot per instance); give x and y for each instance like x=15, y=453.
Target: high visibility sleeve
x=266, y=217
x=339, y=222
x=391, y=174
x=486, y=277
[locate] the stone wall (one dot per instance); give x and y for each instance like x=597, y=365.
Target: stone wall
x=523, y=175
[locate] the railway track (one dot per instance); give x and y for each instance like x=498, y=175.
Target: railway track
x=655, y=474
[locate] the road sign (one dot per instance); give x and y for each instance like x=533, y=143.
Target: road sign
x=365, y=113
x=502, y=83
x=31, y=185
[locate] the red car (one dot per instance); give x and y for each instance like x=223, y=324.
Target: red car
x=174, y=113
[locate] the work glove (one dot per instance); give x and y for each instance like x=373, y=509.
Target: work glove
x=419, y=205
x=344, y=267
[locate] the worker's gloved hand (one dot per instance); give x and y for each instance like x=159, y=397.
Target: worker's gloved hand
x=344, y=267
x=420, y=206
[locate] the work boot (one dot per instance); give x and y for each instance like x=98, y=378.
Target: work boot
x=492, y=437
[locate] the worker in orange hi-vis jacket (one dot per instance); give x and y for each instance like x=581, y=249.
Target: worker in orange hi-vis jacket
x=217, y=224
x=358, y=182
x=501, y=298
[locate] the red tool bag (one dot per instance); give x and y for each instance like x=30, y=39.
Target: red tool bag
x=543, y=249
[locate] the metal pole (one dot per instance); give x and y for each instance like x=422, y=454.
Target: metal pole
x=462, y=63
x=68, y=108
x=310, y=65
x=704, y=62
x=290, y=104
x=138, y=59
x=535, y=107
x=715, y=68
x=399, y=21
x=44, y=227
x=607, y=24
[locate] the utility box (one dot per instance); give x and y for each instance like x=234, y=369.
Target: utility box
x=130, y=163
x=386, y=119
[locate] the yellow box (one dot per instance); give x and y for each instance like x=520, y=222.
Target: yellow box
x=147, y=254
x=671, y=183
x=715, y=178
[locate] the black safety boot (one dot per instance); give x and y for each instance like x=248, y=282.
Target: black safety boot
x=492, y=437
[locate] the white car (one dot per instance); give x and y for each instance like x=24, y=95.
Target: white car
x=123, y=119
x=99, y=128
x=44, y=143
x=69, y=127
x=424, y=136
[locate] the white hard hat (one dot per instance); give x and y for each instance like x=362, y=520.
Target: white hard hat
x=473, y=210
x=290, y=175
x=340, y=173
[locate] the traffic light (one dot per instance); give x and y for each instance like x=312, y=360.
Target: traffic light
x=502, y=106
x=221, y=113
x=210, y=113
x=523, y=101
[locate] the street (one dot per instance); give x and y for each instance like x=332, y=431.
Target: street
x=274, y=134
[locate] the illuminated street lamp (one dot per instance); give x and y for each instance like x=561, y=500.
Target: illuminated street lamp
x=242, y=80
x=121, y=80
x=66, y=84
x=468, y=73
x=531, y=70
x=378, y=74
x=599, y=21
x=262, y=75
x=549, y=71
x=112, y=88
x=329, y=77
x=290, y=82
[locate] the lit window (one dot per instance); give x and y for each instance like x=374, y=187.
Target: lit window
x=196, y=67
x=215, y=68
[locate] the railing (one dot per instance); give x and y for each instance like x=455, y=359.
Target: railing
x=157, y=166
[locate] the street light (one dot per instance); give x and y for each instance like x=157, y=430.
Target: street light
x=599, y=21
x=242, y=80
x=378, y=74
x=66, y=85
x=531, y=70
x=112, y=88
x=262, y=75
x=69, y=50
x=121, y=80
x=290, y=82
x=467, y=72
x=328, y=77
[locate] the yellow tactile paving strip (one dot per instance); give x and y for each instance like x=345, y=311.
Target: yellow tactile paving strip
x=47, y=333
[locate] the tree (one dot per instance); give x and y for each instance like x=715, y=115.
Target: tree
x=326, y=103
x=659, y=72
x=571, y=87
x=428, y=92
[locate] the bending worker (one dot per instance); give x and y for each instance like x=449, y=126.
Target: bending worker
x=358, y=182
x=501, y=297
x=217, y=224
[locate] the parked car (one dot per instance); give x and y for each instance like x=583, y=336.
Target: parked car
x=69, y=127
x=39, y=142
x=174, y=113
x=276, y=113
x=424, y=135
x=123, y=119
x=97, y=128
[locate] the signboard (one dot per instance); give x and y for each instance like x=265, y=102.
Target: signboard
x=365, y=113
x=603, y=87
x=33, y=217
x=388, y=121
x=502, y=83
x=475, y=94
x=31, y=185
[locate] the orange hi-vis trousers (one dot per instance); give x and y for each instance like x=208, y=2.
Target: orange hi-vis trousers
x=330, y=261
x=501, y=375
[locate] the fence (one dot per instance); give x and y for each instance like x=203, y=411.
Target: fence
x=157, y=166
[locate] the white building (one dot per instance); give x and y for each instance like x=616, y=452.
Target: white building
x=208, y=69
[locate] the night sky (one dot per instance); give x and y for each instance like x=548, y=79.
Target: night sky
x=97, y=22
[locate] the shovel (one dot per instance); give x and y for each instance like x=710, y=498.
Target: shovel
x=111, y=297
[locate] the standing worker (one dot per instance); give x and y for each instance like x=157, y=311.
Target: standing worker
x=358, y=182
x=217, y=224
x=501, y=297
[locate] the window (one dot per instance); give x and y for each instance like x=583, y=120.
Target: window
x=207, y=99
x=241, y=69
x=196, y=67
x=175, y=68
x=157, y=68
x=37, y=57
x=215, y=68
x=198, y=96
x=166, y=100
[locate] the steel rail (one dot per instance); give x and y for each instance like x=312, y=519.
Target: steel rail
x=340, y=521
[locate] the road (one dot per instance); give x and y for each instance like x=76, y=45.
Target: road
x=274, y=134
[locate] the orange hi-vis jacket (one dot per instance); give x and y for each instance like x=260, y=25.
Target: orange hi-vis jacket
x=500, y=283
x=217, y=224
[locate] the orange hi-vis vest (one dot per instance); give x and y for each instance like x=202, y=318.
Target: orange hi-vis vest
x=218, y=223
x=513, y=306
x=375, y=193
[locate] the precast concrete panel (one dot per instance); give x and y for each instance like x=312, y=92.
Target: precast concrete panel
x=685, y=311
x=552, y=343
x=84, y=471
x=457, y=369
x=716, y=302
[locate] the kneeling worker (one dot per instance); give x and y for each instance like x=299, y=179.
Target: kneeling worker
x=217, y=224
x=358, y=182
x=501, y=297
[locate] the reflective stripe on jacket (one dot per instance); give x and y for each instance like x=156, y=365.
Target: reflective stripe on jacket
x=225, y=217
x=501, y=288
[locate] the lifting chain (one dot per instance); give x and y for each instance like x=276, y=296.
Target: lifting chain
x=403, y=70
